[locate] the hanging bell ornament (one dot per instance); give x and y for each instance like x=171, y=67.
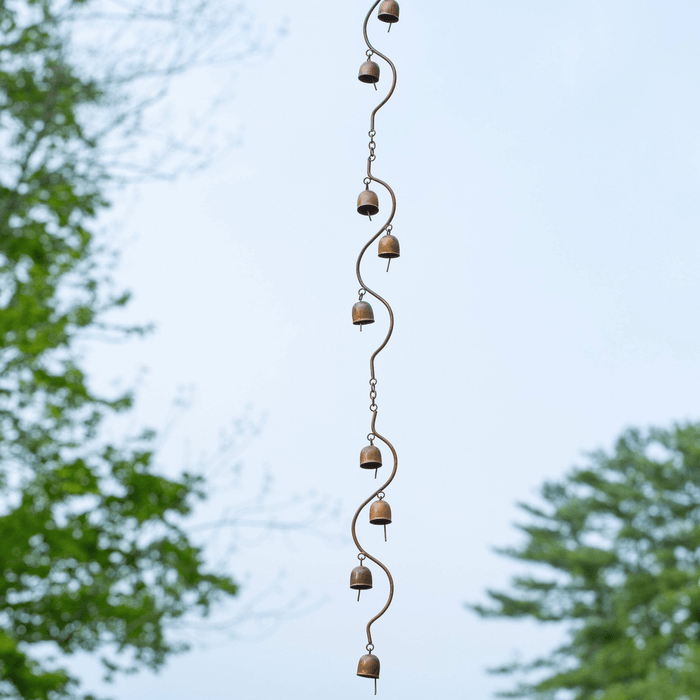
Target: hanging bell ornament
x=389, y=248
x=380, y=514
x=369, y=73
x=362, y=314
x=389, y=12
x=371, y=458
x=360, y=579
x=368, y=203
x=369, y=668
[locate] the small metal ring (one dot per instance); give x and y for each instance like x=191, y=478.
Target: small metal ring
x=389, y=228
x=372, y=144
x=361, y=556
x=372, y=158
x=369, y=53
x=373, y=407
x=367, y=181
x=368, y=647
x=381, y=495
x=370, y=437
x=371, y=133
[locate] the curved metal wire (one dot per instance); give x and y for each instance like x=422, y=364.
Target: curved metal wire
x=373, y=380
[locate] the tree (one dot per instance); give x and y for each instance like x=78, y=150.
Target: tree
x=92, y=547
x=620, y=540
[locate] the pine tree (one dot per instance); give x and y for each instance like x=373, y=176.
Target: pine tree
x=617, y=545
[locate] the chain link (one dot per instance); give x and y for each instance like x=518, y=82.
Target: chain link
x=373, y=395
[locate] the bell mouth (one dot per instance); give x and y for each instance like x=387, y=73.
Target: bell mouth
x=380, y=521
x=361, y=586
x=370, y=465
x=391, y=19
x=368, y=210
x=362, y=674
x=389, y=254
x=368, y=78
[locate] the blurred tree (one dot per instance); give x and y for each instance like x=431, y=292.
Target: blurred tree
x=93, y=554
x=620, y=540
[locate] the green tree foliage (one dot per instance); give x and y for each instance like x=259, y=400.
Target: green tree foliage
x=92, y=551
x=615, y=551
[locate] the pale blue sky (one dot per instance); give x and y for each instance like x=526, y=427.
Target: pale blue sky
x=546, y=161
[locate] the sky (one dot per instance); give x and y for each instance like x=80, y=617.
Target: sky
x=546, y=161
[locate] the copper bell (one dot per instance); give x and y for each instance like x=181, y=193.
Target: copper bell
x=360, y=579
x=389, y=248
x=368, y=203
x=369, y=73
x=371, y=458
x=362, y=314
x=389, y=12
x=380, y=514
x=369, y=668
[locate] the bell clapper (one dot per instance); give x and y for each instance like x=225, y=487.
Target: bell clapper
x=358, y=595
x=385, y=533
x=387, y=265
x=376, y=471
x=375, y=86
x=375, y=686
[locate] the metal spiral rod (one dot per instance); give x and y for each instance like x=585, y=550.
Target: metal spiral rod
x=368, y=204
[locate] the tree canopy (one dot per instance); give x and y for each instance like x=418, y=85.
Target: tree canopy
x=614, y=553
x=93, y=552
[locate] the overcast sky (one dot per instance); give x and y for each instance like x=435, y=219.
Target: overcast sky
x=546, y=161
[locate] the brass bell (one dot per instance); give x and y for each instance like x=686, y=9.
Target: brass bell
x=369, y=73
x=389, y=12
x=360, y=579
x=380, y=514
x=369, y=668
x=371, y=458
x=368, y=203
x=389, y=248
x=362, y=314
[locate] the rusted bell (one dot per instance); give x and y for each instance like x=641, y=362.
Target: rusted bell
x=370, y=457
x=360, y=579
x=389, y=12
x=380, y=514
x=369, y=668
x=362, y=314
x=368, y=203
x=369, y=72
x=389, y=248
